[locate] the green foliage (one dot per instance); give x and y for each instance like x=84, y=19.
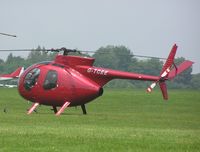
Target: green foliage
x=39, y=55
x=114, y=57
x=35, y=56
x=1, y=65
x=150, y=66
x=196, y=81
x=12, y=63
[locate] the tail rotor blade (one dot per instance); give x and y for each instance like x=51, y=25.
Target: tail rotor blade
x=165, y=73
x=150, y=88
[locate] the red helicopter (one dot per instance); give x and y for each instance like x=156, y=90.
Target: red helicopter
x=73, y=80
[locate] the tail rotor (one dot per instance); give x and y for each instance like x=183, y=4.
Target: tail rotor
x=168, y=73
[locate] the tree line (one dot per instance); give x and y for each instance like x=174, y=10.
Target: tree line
x=114, y=57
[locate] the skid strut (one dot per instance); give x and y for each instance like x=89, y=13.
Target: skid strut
x=34, y=106
x=83, y=109
x=66, y=104
x=55, y=109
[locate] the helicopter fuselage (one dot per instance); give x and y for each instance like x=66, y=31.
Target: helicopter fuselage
x=54, y=83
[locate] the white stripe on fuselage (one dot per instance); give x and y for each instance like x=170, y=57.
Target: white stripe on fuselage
x=5, y=78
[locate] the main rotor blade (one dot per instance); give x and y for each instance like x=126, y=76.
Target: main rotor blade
x=132, y=55
x=8, y=34
x=51, y=50
x=145, y=56
x=17, y=50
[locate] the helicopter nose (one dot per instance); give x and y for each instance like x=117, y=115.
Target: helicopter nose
x=27, y=82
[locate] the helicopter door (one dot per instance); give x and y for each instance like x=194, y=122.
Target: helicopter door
x=50, y=81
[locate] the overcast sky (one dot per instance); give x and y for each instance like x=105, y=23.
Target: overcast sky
x=147, y=27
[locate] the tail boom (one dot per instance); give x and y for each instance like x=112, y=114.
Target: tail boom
x=102, y=76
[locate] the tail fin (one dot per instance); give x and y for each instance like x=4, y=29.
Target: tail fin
x=170, y=59
x=17, y=72
x=167, y=73
x=166, y=70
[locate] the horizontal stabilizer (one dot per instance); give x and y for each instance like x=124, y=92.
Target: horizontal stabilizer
x=180, y=68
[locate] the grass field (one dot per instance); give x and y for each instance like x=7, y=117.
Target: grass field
x=120, y=120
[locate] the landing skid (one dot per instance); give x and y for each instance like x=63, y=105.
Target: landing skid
x=65, y=105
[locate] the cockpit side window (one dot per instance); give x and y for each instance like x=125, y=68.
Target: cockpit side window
x=50, y=81
x=31, y=78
